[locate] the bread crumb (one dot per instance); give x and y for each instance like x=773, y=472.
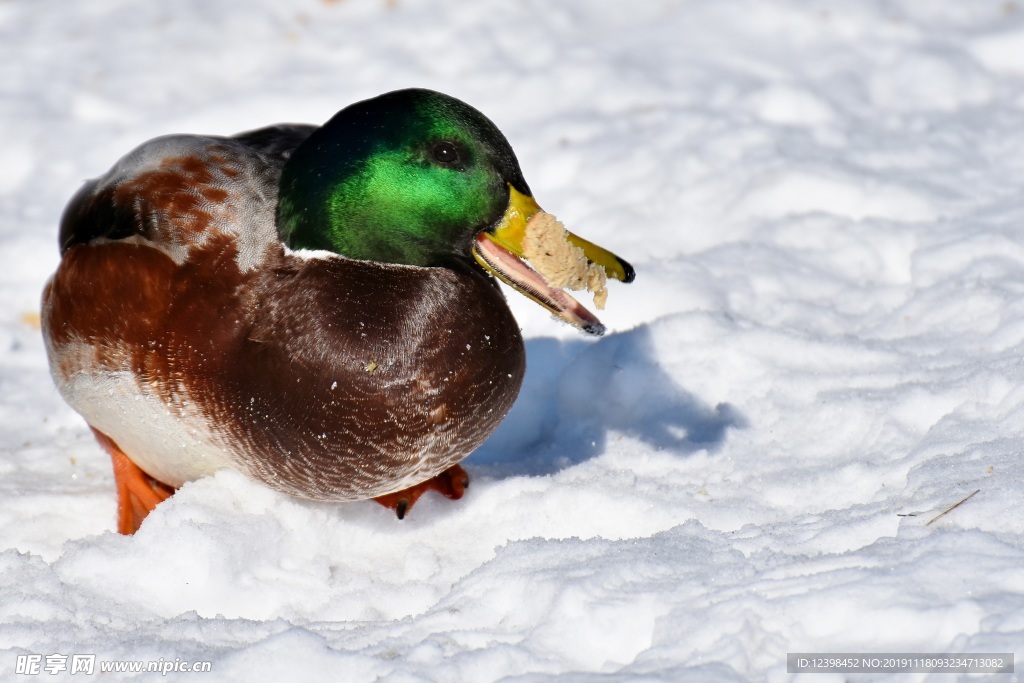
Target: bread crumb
x=547, y=247
x=32, y=319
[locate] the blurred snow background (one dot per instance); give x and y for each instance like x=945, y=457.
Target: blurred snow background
x=823, y=350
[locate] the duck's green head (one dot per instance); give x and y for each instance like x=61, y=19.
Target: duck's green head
x=419, y=178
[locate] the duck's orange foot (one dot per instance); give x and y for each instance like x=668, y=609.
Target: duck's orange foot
x=137, y=492
x=451, y=483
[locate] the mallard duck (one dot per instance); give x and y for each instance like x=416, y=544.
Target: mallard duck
x=314, y=307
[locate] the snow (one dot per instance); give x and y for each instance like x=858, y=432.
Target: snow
x=822, y=352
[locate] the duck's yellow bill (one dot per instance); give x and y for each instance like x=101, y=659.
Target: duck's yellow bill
x=500, y=251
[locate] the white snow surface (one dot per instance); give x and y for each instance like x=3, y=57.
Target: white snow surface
x=823, y=349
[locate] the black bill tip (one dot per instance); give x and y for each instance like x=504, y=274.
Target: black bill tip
x=630, y=273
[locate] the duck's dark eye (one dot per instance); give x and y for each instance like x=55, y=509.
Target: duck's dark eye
x=446, y=153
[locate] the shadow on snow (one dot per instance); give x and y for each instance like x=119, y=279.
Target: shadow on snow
x=576, y=392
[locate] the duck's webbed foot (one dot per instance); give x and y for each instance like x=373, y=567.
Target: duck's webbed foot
x=451, y=483
x=137, y=492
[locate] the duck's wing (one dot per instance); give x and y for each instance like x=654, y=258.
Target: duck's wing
x=276, y=142
x=180, y=192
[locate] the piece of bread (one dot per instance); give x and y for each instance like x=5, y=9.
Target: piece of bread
x=547, y=247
